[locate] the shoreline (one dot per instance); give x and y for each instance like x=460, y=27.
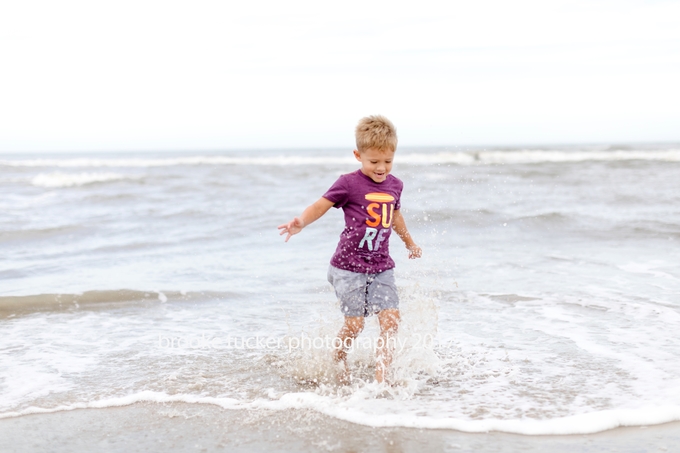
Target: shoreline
x=181, y=426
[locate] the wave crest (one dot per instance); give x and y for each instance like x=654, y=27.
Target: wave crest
x=58, y=179
x=56, y=302
x=521, y=156
x=587, y=423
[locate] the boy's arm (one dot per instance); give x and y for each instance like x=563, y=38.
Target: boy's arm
x=309, y=215
x=399, y=225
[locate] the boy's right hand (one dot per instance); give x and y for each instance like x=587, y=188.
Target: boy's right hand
x=293, y=227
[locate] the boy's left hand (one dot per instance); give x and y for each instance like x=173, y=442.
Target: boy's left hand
x=414, y=252
x=293, y=227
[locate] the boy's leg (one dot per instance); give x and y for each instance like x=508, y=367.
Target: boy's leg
x=350, y=287
x=382, y=297
x=350, y=330
x=389, y=324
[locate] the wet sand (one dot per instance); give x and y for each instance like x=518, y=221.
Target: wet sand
x=194, y=427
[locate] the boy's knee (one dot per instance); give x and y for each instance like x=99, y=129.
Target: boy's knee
x=389, y=320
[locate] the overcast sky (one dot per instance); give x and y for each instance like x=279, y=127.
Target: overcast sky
x=191, y=75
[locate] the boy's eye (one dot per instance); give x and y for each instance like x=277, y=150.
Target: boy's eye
x=374, y=161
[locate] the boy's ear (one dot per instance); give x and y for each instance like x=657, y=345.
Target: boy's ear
x=357, y=155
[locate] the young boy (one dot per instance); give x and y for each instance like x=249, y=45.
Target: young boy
x=361, y=270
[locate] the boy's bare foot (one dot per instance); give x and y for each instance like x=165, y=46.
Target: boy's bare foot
x=379, y=374
x=344, y=378
x=349, y=331
x=340, y=358
x=382, y=377
x=389, y=324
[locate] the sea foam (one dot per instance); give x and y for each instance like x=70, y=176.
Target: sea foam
x=523, y=156
x=587, y=423
x=58, y=179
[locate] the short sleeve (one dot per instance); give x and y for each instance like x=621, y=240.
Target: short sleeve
x=397, y=203
x=338, y=193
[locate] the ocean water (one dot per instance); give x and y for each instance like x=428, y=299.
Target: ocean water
x=547, y=300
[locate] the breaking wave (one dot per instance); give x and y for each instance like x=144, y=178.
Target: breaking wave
x=58, y=179
x=588, y=423
x=57, y=302
x=526, y=156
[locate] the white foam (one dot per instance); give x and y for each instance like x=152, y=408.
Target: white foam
x=527, y=156
x=30, y=381
x=145, y=396
x=536, y=156
x=413, y=158
x=577, y=424
x=588, y=423
x=58, y=179
x=647, y=268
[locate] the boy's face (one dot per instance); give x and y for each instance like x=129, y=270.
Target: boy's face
x=375, y=164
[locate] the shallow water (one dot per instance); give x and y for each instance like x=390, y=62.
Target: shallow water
x=546, y=302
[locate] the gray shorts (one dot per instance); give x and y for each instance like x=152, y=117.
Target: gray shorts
x=364, y=294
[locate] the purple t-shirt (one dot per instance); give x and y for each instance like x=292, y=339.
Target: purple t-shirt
x=369, y=210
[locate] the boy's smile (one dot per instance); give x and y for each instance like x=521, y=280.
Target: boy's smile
x=376, y=164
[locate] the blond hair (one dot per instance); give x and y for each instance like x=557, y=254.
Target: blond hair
x=376, y=132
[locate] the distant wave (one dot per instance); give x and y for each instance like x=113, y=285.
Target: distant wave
x=535, y=157
x=56, y=302
x=58, y=179
x=587, y=423
x=176, y=161
x=37, y=233
x=412, y=158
